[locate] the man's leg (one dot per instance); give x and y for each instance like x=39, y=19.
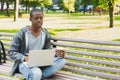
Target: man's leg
x=30, y=73
x=50, y=70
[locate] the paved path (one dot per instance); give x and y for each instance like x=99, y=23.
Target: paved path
x=87, y=22
x=56, y=22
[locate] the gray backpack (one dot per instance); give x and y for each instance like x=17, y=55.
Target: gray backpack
x=2, y=53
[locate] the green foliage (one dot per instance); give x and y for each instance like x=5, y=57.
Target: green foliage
x=36, y=3
x=77, y=4
x=69, y=5
x=47, y=2
x=103, y=4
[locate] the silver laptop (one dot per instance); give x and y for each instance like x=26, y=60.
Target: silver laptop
x=41, y=57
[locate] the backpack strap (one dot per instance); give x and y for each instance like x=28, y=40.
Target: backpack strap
x=4, y=54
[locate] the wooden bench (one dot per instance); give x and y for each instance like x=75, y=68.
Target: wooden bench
x=86, y=59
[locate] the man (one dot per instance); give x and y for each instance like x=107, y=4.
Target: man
x=33, y=37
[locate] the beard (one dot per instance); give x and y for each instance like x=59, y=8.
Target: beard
x=38, y=25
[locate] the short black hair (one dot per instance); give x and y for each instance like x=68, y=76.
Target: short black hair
x=34, y=10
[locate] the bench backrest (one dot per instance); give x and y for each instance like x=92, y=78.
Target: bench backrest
x=85, y=57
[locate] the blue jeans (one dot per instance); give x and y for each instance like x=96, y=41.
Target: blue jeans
x=38, y=73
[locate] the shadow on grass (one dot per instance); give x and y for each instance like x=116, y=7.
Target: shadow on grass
x=53, y=31
x=116, y=40
x=56, y=30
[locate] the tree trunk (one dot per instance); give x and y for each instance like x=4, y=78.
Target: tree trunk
x=84, y=9
x=8, y=9
x=2, y=6
x=111, y=14
x=42, y=7
x=93, y=11
x=16, y=4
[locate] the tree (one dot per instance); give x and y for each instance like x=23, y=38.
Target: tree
x=16, y=4
x=110, y=5
x=8, y=9
x=47, y=2
x=111, y=12
x=35, y=3
x=2, y=4
x=27, y=4
x=8, y=2
x=77, y=4
x=95, y=4
x=69, y=5
x=85, y=3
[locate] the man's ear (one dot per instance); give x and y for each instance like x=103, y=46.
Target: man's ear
x=30, y=18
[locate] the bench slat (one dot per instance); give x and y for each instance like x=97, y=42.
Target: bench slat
x=100, y=74
x=93, y=54
x=7, y=43
x=8, y=39
x=86, y=46
x=76, y=76
x=86, y=41
x=7, y=34
x=94, y=60
x=93, y=67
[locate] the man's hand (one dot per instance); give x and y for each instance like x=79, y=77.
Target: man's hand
x=26, y=59
x=60, y=53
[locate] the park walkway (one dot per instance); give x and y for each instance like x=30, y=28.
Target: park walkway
x=90, y=24
x=56, y=22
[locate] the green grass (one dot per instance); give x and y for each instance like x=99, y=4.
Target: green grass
x=4, y=14
x=51, y=30
x=117, y=17
x=61, y=14
x=54, y=31
x=116, y=40
x=9, y=31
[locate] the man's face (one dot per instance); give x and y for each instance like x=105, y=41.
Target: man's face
x=37, y=19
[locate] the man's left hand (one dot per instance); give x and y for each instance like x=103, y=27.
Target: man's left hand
x=60, y=53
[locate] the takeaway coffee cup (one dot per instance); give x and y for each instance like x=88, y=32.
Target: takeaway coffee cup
x=60, y=52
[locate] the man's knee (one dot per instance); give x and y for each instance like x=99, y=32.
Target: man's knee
x=59, y=63
x=62, y=61
x=36, y=73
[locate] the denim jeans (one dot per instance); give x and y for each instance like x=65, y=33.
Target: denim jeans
x=38, y=73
